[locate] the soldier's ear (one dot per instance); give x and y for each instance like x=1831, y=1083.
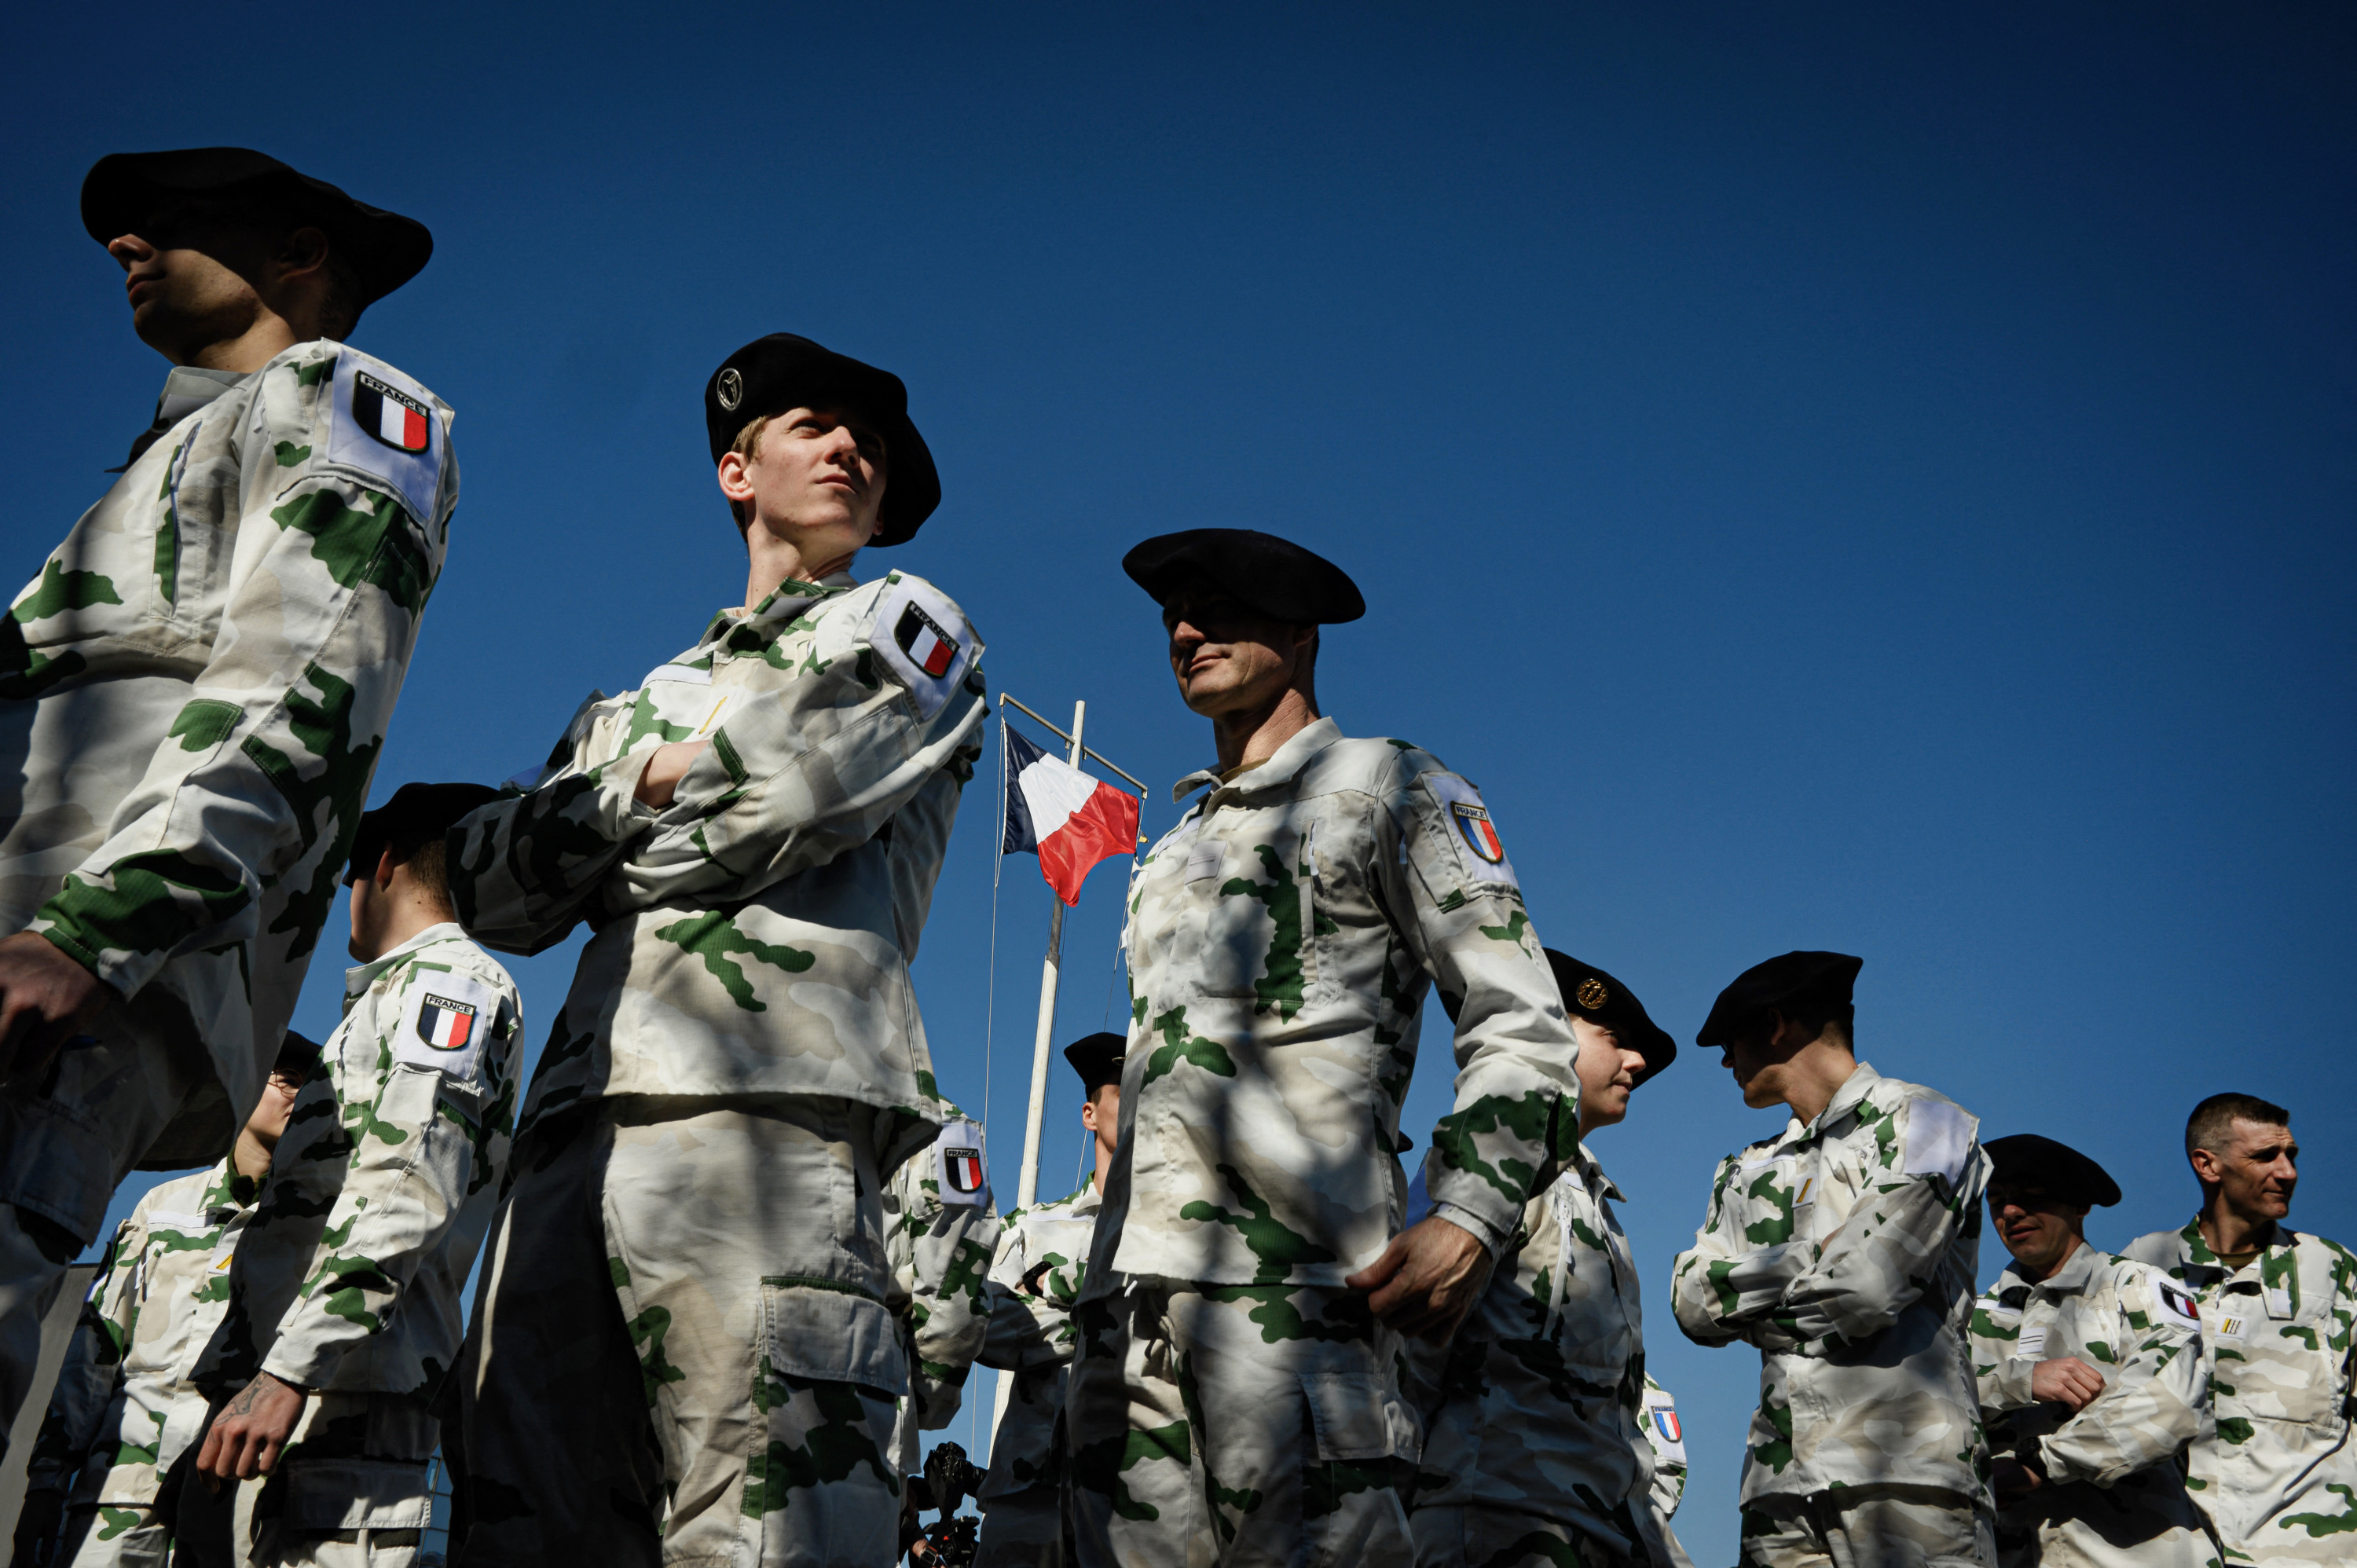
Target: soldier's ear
x=385, y=865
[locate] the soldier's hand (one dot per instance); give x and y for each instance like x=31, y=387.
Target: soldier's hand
x=248, y=1436
x=44, y=998
x=2067, y=1381
x=37, y=1525
x=2010, y=1478
x=1427, y=1280
x=660, y=783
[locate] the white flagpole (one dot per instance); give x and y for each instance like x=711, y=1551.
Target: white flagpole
x=1026, y=1187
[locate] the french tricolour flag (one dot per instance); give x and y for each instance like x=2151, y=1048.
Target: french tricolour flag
x=1066, y=818
x=393, y=417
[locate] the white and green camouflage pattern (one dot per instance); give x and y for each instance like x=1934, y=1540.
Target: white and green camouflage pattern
x=940, y=1251
x=2277, y=1471
x=1030, y=1340
x=384, y=1183
x=1538, y=1407
x=196, y=684
x=1845, y=1250
x=2117, y=1497
x=126, y=1402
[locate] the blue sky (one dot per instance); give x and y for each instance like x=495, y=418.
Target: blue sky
x=1855, y=477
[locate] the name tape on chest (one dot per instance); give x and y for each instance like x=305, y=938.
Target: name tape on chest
x=1663, y=1429
x=961, y=1168
x=2031, y=1344
x=1938, y=1139
x=1204, y=859
x=383, y=427
x=1481, y=854
x=444, y=1023
x=923, y=640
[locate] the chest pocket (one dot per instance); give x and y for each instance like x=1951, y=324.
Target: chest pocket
x=1251, y=908
x=2281, y=1378
x=1781, y=1199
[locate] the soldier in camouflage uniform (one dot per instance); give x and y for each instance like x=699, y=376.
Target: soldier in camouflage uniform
x=194, y=689
x=1043, y=1253
x=2278, y=1471
x=1666, y=1438
x=694, y=1260
x=1845, y=1249
x=1536, y=1449
x=344, y=1315
x=1235, y=1396
x=126, y=1403
x=2091, y=1379
x=942, y=1228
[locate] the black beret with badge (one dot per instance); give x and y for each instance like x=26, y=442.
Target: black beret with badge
x=1589, y=992
x=1097, y=1058
x=2058, y=1170
x=124, y=190
x=772, y=374
x=415, y=813
x=1786, y=984
x=1273, y=576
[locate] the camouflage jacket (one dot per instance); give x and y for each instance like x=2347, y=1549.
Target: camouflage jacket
x=940, y=1230
x=2118, y=1488
x=1845, y=1250
x=1666, y=1436
x=200, y=677
x=2277, y=1476
x=384, y=1182
x=1035, y=1280
x=125, y=1403
x=1280, y=941
x=1541, y=1397
x=755, y=937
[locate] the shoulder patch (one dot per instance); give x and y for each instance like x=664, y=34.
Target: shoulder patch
x=444, y=1023
x=384, y=427
x=923, y=640
x=1481, y=854
x=2172, y=1302
x=961, y=1169
x=1661, y=1428
x=1938, y=1139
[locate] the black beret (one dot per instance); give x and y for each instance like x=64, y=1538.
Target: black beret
x=2058, y=1170
x=1097, y=1058
x=122, y=190
x=772, y=374
x=298, y=1055
x=1589, y=992
x=415, y=813
x=1785, y=983
x=1275, y=577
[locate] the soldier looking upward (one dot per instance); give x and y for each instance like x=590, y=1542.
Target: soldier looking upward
x=2091, y=1379
x=194, y=689
x=2278, y=1471
x=1234, y=1397
x=693, y=1262
x=1844, y=1249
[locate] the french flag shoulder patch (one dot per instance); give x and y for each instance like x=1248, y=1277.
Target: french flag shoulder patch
x=1663, y=1430
x=386, y=432
x=961, y=1169
x=1481, y=854
x=923, y=640
x=443, y=1026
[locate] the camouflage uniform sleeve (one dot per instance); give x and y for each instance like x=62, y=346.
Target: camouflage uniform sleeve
x=2001, y=1378
x=429, y=1139
x=1880, y=1263
x=1027, y=1329
x=1515, y=1122
x=940, y=1253
x=266, y=767
x=1669, y=1488
x=2156, y=1398
x=93, y=1364
x=808, y=771
x=1722, y=1287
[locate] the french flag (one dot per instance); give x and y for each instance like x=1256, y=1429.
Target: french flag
x=393, y=417
x=1066, y=818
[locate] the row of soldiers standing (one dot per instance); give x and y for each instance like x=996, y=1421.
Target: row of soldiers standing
x=723, y=1236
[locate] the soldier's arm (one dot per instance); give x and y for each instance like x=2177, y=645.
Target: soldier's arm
x=1516, y=1118
x=263, y=775
x=2001, y=1377
x=1028, y=1327
x=1724, y=1285
x=92, y=1370
x=941, y=1256
x=2157, y=1397
x=430, y=1139
x=1669, y=1488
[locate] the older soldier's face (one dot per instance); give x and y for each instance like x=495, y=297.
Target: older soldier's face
x=1228, y=657
x=2256, y=1170
x=2039, y=1230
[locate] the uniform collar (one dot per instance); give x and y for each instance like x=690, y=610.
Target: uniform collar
x=2075, y=1274
x=359, y=977
x=784, y=605
x=1847, y=1097
x=1273, y=773
x=1592, y=1174
x=185, y=390
x=2194, y=1251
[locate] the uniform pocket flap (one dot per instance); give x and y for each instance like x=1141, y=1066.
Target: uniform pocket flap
x=358, y=1494
x=1352, y=1416
x=819, y=1330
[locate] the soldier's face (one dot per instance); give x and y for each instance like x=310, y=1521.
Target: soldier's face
x=268, y=1121
x=187, y=275
x=1757, y=1063
x=1228, y=657
x=815, y=478
x=1100, y=1115
x=2255, y=1172
x=1608, y=1071
x=2039, y=1230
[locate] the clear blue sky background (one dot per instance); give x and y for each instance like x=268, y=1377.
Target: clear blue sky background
x=1866, y=477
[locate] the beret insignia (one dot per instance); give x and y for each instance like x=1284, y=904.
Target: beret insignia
x=731, y=390
x=1592, y=995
